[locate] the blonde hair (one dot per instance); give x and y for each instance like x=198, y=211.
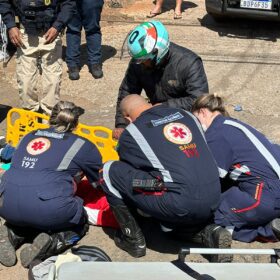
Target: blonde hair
x=212, y=102
x=65, y=116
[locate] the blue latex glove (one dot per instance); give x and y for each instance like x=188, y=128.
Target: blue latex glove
x=7, y=152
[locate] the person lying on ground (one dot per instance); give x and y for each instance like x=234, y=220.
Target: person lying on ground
x=249, y=171
x=168, y=73
x=37, y=194
x=167, y=171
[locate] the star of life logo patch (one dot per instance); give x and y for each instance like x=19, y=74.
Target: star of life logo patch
x=177, y=133
x=38, y=146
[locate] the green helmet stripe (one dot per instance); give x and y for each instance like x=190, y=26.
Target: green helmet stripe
x=147, y=24
x=140, y=54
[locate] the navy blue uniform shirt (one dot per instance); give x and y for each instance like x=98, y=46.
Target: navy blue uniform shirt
x=168, y=142
x=39, y=188
x=58, y=11
x=240, y=152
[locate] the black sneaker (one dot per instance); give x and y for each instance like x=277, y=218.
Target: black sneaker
x=74, y=73
x=7, y=251
x=214, y=236
x=136, y=247
x=36, y=250
x=96, y=70
x=275, y=225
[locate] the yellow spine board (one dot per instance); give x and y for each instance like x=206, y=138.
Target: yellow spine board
x=20, y=122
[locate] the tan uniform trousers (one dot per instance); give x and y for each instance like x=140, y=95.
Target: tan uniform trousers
x=28, y=72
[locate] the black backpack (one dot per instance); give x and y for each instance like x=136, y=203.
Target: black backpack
x=91, y=253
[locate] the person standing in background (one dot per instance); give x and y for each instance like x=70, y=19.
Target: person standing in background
x=88, y=16
x=36, y=40
x=157, y=10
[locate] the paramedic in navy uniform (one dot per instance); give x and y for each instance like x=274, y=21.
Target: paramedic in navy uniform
x=165, y=170
x=37, y=194
x=249, y=170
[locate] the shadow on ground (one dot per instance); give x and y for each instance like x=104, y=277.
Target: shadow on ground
x=156, y=239
x=242, y=28
x=106, y=53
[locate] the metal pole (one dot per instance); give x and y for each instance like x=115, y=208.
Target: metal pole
x=207, y=251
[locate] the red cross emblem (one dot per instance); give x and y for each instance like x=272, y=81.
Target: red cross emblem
x=38, y=146
x=177, y=133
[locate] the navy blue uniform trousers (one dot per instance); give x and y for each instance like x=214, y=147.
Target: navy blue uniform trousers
x=88, y=16
x=175, y=206
x=250, y=210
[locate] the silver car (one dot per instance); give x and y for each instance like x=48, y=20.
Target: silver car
x=257, y=9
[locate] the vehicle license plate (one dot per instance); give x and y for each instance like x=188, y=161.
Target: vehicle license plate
x=254, y=4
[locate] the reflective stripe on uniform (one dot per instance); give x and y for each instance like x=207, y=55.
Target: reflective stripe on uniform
x=106, y=177
x=198, y=125
x=149, y=153
x=71, y=153
x=257, y=143
x=239, y=169
x=222, y=172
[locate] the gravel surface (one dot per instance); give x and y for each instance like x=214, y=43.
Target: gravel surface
x=241, y=59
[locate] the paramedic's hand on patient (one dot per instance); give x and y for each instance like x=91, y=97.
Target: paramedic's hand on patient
x=117, y=133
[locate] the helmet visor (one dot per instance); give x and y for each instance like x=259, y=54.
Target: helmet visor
x=143, y=43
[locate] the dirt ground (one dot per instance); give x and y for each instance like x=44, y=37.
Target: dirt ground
x=242, y=63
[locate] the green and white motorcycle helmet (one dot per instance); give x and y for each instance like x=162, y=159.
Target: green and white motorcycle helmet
x=148, y=41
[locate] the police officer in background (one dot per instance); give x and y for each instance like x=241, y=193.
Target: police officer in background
x=38, y=39
x=168, y=73
x=37, y=194
x=166, y=171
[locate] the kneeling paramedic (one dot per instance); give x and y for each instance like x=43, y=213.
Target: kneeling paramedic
x=249, y=166
x=165, y=170
x=37, y=194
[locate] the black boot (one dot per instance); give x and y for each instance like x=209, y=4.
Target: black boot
x=74, y=73
x=45, y=245
x=130, y=238
x=96, y=70
x=275, y=225
x=214, y=236
x=9, y=242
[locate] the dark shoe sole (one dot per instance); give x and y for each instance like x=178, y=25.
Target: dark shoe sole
x=275, y=225
x=74, y=78
x=97, y=76
x=7, y=251
x=134, y=251
x=35, y=250
x=224, y=242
